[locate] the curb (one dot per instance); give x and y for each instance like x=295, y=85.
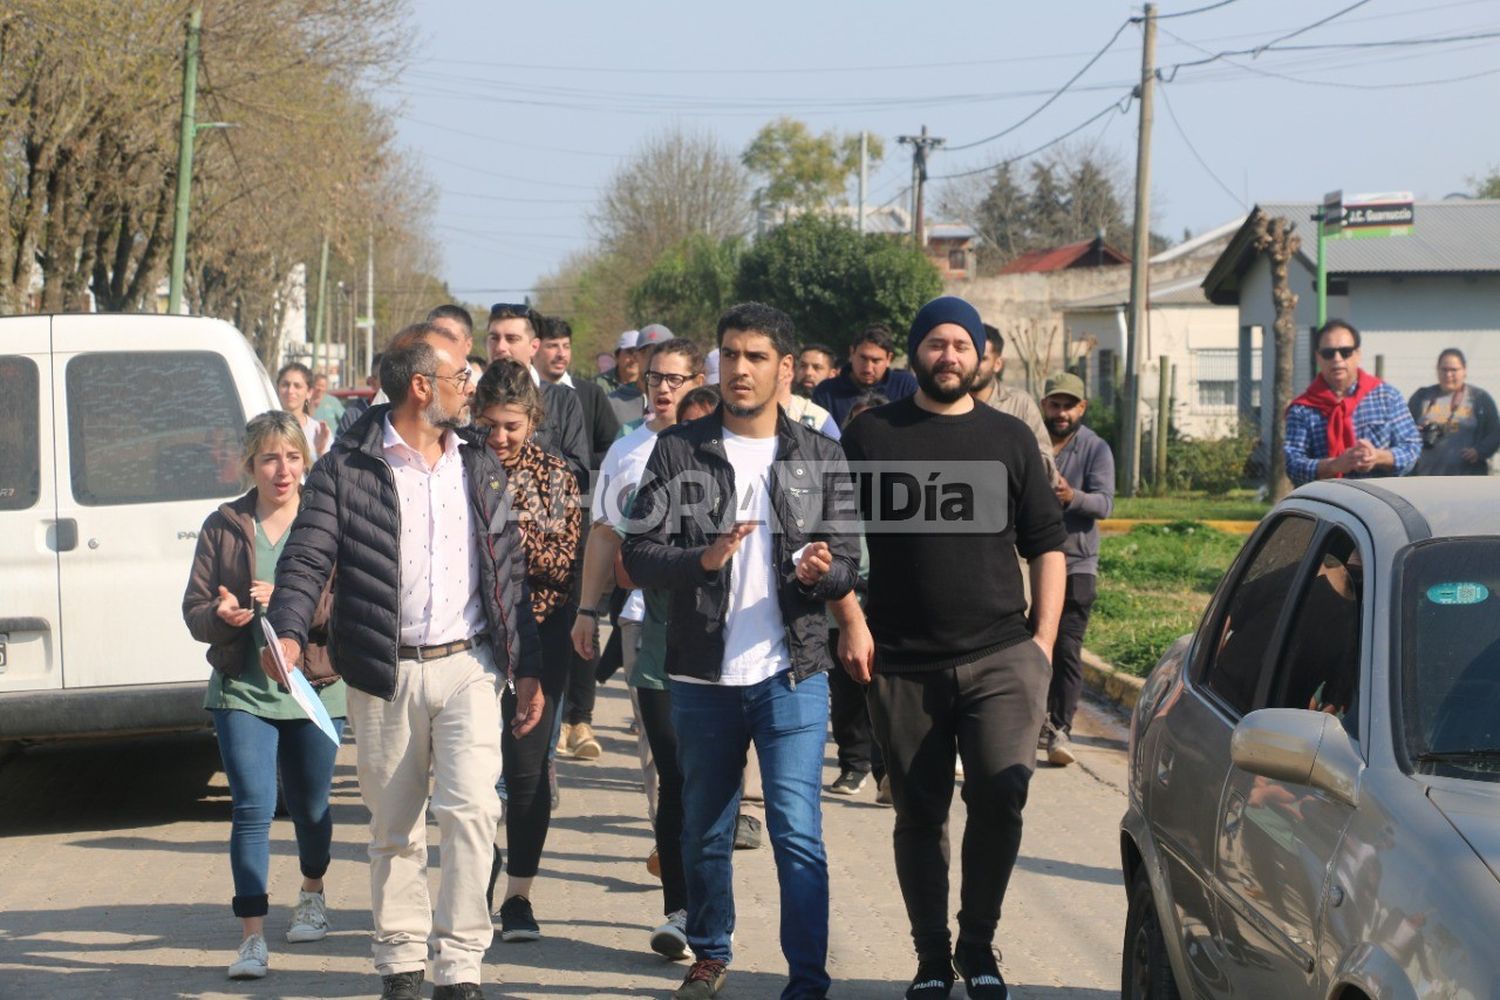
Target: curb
x=1121, y=525
x=1114, y=686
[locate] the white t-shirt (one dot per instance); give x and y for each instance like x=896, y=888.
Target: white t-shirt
x=754, y=633
x=619, y=476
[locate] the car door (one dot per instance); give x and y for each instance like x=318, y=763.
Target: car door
x=151, y=448
x=1192, y=761
x=1276, y=840
x=30, y=534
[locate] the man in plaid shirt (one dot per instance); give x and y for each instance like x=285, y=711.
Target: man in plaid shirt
x=1348, y=422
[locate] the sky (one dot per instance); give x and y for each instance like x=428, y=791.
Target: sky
x=521, y=113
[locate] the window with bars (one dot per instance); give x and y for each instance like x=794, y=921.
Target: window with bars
x=1216, y=372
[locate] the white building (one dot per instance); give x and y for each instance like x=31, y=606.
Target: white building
x=1410, y=296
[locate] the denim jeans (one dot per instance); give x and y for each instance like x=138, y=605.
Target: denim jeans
x=253, y=750
x=788, y=723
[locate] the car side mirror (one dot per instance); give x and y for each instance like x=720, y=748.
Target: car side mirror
x=1300, y=747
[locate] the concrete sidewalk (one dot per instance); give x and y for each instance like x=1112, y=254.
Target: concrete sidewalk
x=114, y=881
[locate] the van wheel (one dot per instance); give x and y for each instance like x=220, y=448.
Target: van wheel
x=1146, y=972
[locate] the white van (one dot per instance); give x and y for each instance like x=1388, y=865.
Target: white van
x=119, y=434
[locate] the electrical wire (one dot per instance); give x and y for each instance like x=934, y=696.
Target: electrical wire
x=1055, y=94
x=508, y=177
x=1167, y=102
x=1316, y=24
x=1121, y=106
x=1195, y=10
x=484, y=137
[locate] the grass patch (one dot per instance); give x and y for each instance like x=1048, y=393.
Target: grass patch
x=1238, y=505
x=1153, y=585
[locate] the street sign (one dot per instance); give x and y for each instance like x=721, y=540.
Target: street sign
x=1333, y=212
x=1388, y=213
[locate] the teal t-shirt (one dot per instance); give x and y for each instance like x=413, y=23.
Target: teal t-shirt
x=253, y=691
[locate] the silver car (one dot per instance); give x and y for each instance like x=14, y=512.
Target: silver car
x=1314, y=794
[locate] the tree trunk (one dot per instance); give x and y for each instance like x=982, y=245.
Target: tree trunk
x=1275, y=238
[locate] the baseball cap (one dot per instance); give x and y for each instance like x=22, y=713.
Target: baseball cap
x=711, y=367
x=1065, y=384
x=628, y=341
x=655, y=333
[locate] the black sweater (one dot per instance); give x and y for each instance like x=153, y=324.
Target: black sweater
x=947, y=590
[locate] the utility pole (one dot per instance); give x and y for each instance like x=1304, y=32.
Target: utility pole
x=1140, y=259
x=864, y=152
x=921, y=145
x=185, y=159
x=321, y=312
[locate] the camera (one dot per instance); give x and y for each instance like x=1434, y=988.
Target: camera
x=1432, y=433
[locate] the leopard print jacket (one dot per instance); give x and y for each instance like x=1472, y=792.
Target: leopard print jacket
x=548, y=511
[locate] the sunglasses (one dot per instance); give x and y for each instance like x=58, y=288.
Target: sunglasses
x=1327, y=353
x=507, y=310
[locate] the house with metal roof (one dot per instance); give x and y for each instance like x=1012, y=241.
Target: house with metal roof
x=1410, y=296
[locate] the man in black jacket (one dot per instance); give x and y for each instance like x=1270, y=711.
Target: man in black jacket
x=513, y=332
x=431, y=618
x=729, y=518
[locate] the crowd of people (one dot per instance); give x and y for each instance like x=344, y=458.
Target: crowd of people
x=438, y=561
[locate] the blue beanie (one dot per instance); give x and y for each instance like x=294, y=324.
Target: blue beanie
x=945, y=309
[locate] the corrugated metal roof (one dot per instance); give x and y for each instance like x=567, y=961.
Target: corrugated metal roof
x=1457, y=235
x=1180, y=292
x=1058, y=258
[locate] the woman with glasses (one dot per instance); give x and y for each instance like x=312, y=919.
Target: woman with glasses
x=294, y=389
x=545, y=500
x=262, y=733
x=1460, y=429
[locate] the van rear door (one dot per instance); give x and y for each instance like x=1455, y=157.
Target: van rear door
x=151, y=421
x=30, y=534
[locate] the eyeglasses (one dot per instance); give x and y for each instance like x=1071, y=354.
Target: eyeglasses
x=459, y=378
x=674, y=382
x=1327, y=353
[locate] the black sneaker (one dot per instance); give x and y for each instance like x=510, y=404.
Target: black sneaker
x=849, y=782
x=516, y=921
x=933, y=981
x=746, y=833
x=458, y=991
x=402, y=986
x=982, y=979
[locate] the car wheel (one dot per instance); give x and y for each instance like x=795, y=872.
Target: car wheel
x=1146, y=972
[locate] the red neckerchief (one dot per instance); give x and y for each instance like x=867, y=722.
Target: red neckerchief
x=1337, y=410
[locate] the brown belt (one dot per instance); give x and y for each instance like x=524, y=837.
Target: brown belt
x=437, y=652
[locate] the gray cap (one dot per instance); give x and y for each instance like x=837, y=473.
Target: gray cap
x=654, y=333
x=1065, y=384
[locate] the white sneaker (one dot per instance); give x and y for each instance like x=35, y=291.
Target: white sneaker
x=310, y=921
x=253, y=959
x=670, y=939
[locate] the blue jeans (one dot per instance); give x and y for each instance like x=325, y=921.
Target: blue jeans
x=253, y=750
x=788, y=724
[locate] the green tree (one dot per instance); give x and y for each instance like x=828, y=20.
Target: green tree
x=832, y=281
x=1487, y=186
x=803, y=171
x=689, y=286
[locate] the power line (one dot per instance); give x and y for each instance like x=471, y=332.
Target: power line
x=1195, y=10
x=1121, y=106
x=508, y=177
x=511, y=198
x=1168, y=75
x=1316, y=24
x=484, y=137
x=1166, y=100
x=1055, y=94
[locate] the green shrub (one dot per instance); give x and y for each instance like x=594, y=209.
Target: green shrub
x=1213, y=466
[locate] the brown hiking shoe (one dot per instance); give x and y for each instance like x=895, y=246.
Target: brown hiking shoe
x=703, y=981
x=582, y=742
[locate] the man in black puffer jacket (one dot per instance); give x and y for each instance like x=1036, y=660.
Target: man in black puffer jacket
x=430, y=620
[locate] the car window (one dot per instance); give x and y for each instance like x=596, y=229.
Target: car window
x=152, y=427
x=20, y=449
x=1450, y=652
x=1319, y=665
x=1243, y=635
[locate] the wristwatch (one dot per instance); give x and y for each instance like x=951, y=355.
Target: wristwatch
x=589, y=612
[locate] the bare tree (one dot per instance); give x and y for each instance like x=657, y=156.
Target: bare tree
x=1036, y=344
x=678, y=184
x=1275, y=238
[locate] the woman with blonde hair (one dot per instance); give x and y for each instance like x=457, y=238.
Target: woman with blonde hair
x=261, y=731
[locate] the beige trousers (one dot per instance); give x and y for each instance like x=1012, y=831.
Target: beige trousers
x=444, y=718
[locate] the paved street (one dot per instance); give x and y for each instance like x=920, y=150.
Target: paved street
x=114, y=881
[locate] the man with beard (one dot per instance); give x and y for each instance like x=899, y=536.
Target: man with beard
x=430, y=621
x=815, y=365
x=955, y=662
x=727, y=519
x=1085, y=486
x=989, y=390
x=869, y=370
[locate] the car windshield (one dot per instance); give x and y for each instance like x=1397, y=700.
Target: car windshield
x=1450, y=656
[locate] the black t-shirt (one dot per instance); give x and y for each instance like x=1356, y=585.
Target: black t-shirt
x=949, y=590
